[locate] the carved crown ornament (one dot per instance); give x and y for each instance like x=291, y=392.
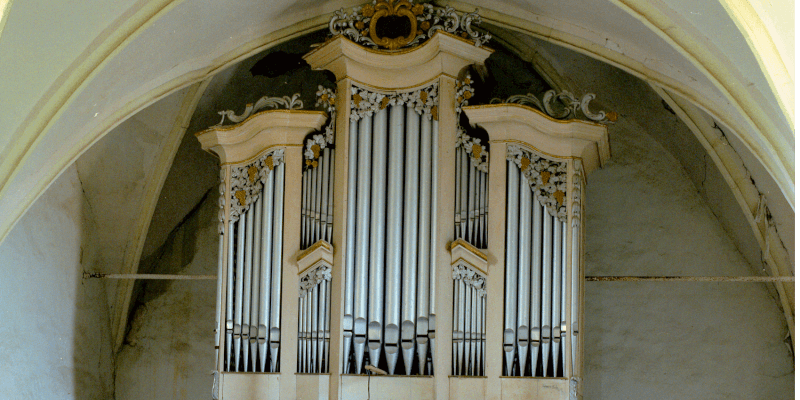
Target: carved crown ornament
x=398, y=24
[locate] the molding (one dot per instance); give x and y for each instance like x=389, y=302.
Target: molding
x=151, y=194
x=442, y=53
x=237, y=143
x=319, y=253
x=461, y=252
x=588, y=141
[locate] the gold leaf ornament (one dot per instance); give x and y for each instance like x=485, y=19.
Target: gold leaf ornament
x=315, y=148
x=383, y=8
x=241, y=196
x=357, y=99
x=524, y=163
x=251, y=173
x=269, y=163
x=559, y=195
x=545, y=177
x=476, y=151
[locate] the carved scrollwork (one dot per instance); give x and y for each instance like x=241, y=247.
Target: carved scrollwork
x=290, y=103
x=313, y=278
x=248, y=180
x=562, y=105
x=360, y=24
x=326, y=98
x=577, y=183
x=365, y=102
x=470, y=277
x=547, y=179
x=221, y=201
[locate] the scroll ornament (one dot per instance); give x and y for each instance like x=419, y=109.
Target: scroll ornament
x=312, y=278
x=547, y=179
x=360, y=24
x=290, y=103
x=577, y=182
x=222, y=201
x=365, y=102
x=326, y=98
x=470, y=277
x=248, y=180
x=562, y=105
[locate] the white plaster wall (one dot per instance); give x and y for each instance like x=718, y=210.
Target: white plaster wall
x=54, y=336
x=169, y=350
x=668, y=340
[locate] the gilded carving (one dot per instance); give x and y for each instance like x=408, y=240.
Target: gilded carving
x=366, y=101
x=546, y=178
x=360, y=24
x=248, y=180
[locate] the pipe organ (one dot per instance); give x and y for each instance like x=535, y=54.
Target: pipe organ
x=415, y=250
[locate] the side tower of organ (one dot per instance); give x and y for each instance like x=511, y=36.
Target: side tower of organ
x=380, y=249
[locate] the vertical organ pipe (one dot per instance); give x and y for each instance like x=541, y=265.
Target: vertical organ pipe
x=247, y=282
x=410, y=225
x=394, y=235
x=255, y=293
x=377, y=239
x=329, y=227
x=349, y=273
x=326, y=160
x=536, y=283
x=431, y=339
x=229, y=299
x=512, y=204
x=524, y=294
x=237, y=326
x=555, y=321
x=277, y=257
x=266, y=271
x=547, y=287
x=362, y=235
x=424, y=254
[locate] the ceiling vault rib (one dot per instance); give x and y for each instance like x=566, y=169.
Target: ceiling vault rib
x=745, y=192
x=151, y=193
x=715, y=70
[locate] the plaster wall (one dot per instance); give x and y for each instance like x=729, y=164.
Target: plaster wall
x=54, y=336
x=671, y=340
x=168, y=352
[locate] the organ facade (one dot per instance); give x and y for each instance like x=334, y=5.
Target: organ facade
x=380, y=249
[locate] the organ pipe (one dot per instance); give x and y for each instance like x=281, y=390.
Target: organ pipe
x=391, y=281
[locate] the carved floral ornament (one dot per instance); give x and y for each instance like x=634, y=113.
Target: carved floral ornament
x=313, y=278
x=361, y=23
x=290, y=103
x=248, y=180
x=326, y=98
x=470, y=277
x=479, y=156
x=547, y=179
x=365, y=102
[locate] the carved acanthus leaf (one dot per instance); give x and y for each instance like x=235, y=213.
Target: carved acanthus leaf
x=561, y=105
x=248, y=180
x=546, y=178
x=470, y=277
x=290, y=103
x=313, y=278
x=365, y=102
x=326, y=98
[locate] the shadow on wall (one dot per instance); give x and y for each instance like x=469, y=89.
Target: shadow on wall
x=168, y=351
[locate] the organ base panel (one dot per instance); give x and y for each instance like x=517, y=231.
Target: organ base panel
x=380, y=250
x=316, y=386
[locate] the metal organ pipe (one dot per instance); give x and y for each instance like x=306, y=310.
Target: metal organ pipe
x=362, y=240
x=255, y=284
x=377, y=239
x=265, y=273
x=512, y=210
x=237, y=326
x=247, y=282
x=423, y=293
x=541, y=268
x=431, y=319
x=277, y=257
x=410, y=227
x=349, y=273
x=394, y=237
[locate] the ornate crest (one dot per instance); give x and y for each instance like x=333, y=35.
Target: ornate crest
x=561, y=105
x=396, y=24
